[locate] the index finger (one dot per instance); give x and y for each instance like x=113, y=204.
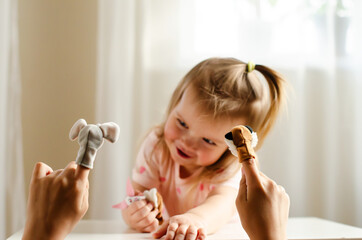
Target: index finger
x=81, y=172
x=252, y=175
x=40, y=170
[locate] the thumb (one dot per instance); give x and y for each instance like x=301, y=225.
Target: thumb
x=251, y=174
x=242, y=188
x=82, y=172
x=161, y=231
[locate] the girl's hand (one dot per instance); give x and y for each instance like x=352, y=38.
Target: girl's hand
x=141, y=216
x=57, y=201
x=186, y=226
x=263, y=205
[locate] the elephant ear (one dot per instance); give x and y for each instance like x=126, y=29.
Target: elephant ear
x=110, y=131
x=74, y=131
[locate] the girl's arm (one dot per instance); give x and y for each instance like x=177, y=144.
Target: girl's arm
x=204, y=219
x=218, y=208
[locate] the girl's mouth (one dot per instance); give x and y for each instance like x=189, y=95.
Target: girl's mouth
x=182, y=154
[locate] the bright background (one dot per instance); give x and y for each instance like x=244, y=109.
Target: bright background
x=120, y=61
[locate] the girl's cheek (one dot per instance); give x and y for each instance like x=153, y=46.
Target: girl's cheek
x=204, y=160
x=208, y=157
x=171, y=131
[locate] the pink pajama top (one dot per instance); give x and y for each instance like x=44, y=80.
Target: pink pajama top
x=179, y=194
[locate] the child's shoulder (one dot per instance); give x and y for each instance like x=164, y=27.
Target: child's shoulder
x=152, y=142
x=152, y=136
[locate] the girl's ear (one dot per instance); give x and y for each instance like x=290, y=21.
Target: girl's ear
x=74, y=131
x=110, y=131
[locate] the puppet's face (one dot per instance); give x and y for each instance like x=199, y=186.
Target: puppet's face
x=193, y=138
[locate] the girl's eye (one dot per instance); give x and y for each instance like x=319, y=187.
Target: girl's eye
x=182, y=123
x=208, y=141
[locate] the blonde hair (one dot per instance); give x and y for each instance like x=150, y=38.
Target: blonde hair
x=227, y=90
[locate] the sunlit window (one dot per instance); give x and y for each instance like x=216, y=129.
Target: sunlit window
x=243, y=28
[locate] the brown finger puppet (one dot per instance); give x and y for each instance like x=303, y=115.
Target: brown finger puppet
x=153, y=196
x=90, y=139
x=241, y=141
x=150, y=195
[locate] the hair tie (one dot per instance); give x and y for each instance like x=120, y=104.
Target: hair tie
x=251, y=66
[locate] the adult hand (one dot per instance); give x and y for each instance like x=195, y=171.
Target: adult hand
x=57, y=201
x=263, y=205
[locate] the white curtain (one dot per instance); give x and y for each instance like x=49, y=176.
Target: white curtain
x=145, y=47
x=116, y=71
x=12, y=198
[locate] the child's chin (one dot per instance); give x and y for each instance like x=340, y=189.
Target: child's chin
x=180, y=160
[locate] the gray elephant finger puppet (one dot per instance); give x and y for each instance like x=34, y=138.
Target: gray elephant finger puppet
x=91, y=138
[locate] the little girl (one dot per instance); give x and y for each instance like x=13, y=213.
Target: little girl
x=186, y=157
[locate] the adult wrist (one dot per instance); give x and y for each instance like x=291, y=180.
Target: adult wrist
x=38, y=232
x=266, y=236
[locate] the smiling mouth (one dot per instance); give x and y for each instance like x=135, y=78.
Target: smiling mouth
x=182, y=154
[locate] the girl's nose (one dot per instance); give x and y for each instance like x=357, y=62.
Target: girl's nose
x=188, y=141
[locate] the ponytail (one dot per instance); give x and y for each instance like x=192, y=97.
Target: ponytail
x=277, y=96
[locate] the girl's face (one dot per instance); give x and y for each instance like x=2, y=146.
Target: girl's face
x=194, y=138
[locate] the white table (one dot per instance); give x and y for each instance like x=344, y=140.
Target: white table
x=298, y=228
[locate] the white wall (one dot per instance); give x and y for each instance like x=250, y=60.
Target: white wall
x=58, y=71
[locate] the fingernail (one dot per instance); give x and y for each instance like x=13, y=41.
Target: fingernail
x=249, y=161
x=154, y=235
x=150, y=205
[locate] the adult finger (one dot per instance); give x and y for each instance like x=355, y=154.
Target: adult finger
x=55, y=173
x=264, y=178
x=69, y=170
x=283, y=195
x=40, y=170
x=82, y=172
x=242, y=194
x=287, y=199
x=85, y=202
x=251, y=171
x=271, y=185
